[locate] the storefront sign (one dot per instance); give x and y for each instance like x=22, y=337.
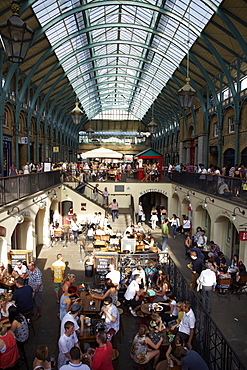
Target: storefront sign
x=243, y=235
x=23, y=140
x=153, y=190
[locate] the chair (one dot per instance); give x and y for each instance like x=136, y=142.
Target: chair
x=22, y=353
x=28, y=316
x=224, y=281
x=121, y=328
x=242, y=286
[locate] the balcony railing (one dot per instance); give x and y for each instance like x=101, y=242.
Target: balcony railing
x=228, y=188
x=16, y=187
x=209, y=341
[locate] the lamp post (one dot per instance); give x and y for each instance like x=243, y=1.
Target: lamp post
x=16, y=36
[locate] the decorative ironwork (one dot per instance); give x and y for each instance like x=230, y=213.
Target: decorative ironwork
x=209, y=341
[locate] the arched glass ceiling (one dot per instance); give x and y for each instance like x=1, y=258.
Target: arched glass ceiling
x=122, y=52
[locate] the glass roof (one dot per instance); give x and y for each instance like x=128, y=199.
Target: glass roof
x=121, y=53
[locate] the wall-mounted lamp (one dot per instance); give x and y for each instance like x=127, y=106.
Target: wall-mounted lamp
x=54, y=195
x=205, y=204
x=188, y=194
x=234, y=213
x=19, y=217
x=41, y=204
x=177, y=188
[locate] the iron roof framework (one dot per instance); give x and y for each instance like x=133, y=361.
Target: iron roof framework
x=127, y=54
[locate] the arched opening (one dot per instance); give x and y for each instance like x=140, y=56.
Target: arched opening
x=65, y=209
x=203, y=219
x=39, y=230
x=22, y=235
x=228, y=158
x=226, y=236
x=244, y=157
x=152, y=199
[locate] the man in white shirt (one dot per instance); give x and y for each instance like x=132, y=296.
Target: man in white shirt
x=75, y=361
x=20, y=270
x=208, y=280
x=202, y=240
x=111, y=316
x=114, y=275
x=186, y=328
x=133, y=293
x=66, y=341
x=75, y=310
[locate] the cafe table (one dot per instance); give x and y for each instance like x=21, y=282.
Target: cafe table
x=8, y=283
x=87, y=307
x=86, y=337
x=145, y=309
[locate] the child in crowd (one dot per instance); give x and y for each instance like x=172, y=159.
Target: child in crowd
x=180, y=312
x=156, y=324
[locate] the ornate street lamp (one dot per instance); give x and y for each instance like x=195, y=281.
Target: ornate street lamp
x=16, y=36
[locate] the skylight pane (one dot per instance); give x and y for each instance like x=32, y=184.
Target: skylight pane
x=168, y=48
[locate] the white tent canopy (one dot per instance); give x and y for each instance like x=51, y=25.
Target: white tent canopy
x=101, y=153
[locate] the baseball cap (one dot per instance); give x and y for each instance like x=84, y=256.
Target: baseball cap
x=75, y=308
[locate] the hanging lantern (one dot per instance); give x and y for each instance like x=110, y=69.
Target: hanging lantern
x=16, y=36
x=152, y=126
x=76, y=114
x=186, y=94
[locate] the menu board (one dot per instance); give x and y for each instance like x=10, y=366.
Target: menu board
x=102, y=262
x=25, y=256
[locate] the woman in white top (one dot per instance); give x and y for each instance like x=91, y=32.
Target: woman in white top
x=172, y=313
x=114, y=209
x=174, y=224
x=74, y=228
x=154, y=217
x=4, y=305
x=25, y=169
x=186, y=225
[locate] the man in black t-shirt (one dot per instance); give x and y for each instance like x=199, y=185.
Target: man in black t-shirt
x=23, y=297
x=196, y=268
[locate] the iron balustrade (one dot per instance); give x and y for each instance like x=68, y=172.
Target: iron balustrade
x=16, y=187
x=228, y=188
x=209, y=341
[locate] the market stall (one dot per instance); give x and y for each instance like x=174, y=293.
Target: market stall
x=148, y=156
x=102, y=153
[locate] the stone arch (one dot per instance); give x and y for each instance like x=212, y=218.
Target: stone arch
x=244, y=156
x=225, y=234
x=202, y=217
x=228, y=157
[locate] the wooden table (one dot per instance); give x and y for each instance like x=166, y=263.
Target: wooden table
x=145, y=309
x=86, y=307
x=6, y=284
x=100, y=243
x=86, y=337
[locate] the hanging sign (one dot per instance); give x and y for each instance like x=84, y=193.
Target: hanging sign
x=2, y=231
x=243, y=235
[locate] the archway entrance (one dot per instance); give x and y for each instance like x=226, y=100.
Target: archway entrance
x=228, y=241
x=152, y=199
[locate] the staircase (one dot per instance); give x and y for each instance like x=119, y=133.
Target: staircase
x=121, y=223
